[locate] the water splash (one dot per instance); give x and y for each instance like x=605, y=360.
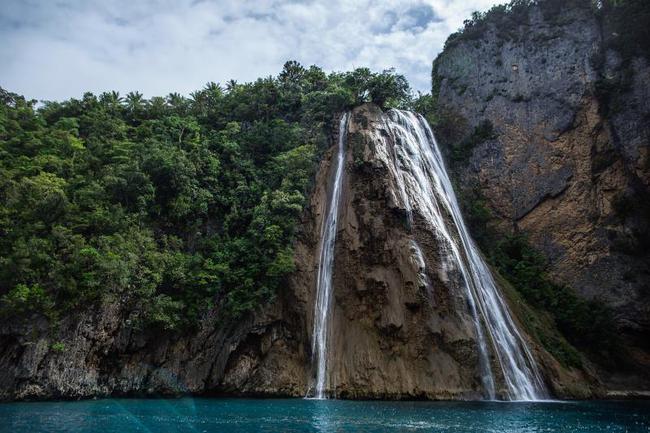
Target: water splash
x=322, y=308
x=427, y=190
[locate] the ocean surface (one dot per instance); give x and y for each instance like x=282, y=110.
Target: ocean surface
x=249, y=415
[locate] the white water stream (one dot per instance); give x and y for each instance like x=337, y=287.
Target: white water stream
x=426, y=189
x=320, y=335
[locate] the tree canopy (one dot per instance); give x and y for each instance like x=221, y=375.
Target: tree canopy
x=169, y=204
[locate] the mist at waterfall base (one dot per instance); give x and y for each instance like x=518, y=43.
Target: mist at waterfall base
x=299, y=415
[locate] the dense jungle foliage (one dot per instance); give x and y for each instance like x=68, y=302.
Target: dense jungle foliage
x=169, y=205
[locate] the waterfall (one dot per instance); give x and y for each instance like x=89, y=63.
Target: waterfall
x=325, y=267
x=427, y=190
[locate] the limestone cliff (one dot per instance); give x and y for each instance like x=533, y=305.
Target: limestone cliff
x=569, y=162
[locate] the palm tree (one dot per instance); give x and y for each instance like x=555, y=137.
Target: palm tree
x=198, y=102
x=213, y=88
x=177, y=102
x=211, y=95
x=112, y=100
x=231, y=85
x=134, y=101
x=157, y=106
x=175, y=99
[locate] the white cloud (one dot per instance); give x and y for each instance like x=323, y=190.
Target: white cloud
x=59, y=49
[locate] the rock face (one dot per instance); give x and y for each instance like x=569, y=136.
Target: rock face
x=102, y=355
x=400, y=324
x=392, y=336
x=568, y=167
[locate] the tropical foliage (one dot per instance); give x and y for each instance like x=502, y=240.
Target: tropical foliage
x=170, y=204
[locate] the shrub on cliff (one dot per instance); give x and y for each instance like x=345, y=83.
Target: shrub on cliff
x=587, y=324
x=23, y=300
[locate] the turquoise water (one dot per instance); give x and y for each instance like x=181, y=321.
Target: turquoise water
x=244, y=415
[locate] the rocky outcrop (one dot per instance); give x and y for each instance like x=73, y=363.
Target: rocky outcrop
x=98, y=353
x=569, y=165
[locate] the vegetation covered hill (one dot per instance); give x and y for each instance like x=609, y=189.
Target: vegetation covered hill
x=170, y=204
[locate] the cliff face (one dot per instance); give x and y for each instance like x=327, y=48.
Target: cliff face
x=393, y=336
x=569, y=163
x=104, y=355
x=400, y=323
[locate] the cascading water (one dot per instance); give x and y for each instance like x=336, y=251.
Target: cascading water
x=325, y=266
x=426, y=189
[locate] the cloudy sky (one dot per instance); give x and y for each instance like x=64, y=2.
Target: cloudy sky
x=57, y=49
